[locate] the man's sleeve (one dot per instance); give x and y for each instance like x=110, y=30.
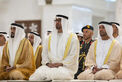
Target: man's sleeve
x=71, y=61
x=45, y=58
x=90, y=58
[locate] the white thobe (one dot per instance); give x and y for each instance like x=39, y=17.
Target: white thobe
x=70, y=63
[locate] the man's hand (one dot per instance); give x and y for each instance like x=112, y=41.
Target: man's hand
x=95, y=69
x=8, y=68
x=50, y=65
x=58, y=64
x=54, y=65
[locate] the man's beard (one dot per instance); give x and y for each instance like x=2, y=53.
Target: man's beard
x=12, y=35
x=115, y=33
x=58, y=27
x=86, y=38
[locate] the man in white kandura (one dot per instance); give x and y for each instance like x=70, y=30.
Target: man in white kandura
x=60, y=53
x=103, y=59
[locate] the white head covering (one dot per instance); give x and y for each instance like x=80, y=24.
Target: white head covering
x=117, y=25
x=108, y=28
x=37, y=40
x=13, y=43
x=58, y=46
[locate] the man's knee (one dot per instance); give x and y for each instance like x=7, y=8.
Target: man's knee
x=104, y=74
x=16, y=75
x=40, y=74
x=86, y=75
x=119, y=75
x=4, y=76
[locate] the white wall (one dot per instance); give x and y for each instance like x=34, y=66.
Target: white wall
x=80, y=17
x=18, y=10
x=98, y=4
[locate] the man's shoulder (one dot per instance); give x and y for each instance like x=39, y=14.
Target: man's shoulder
x=40, y=46
x=24, y=40
x=93, y=43
x=116, y=43
x=74, y=36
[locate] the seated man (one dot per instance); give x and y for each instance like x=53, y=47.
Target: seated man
x=3, y=37
x=60, y=53
x=104, y=55
x=35, y=41
x=84, y=47
x=17, y=61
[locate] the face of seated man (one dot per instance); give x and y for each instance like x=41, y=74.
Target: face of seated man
x=13, y=30
x=87, y=34
x=2, y=40
x=103, y=33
